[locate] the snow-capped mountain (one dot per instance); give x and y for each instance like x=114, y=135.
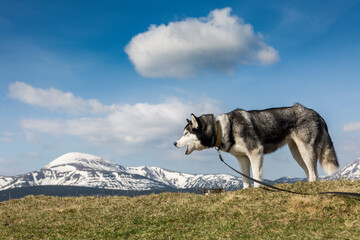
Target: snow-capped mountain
x=85, y=170
x=79, y=169
x=83, y=161
x=185, y=180
x=350, y=172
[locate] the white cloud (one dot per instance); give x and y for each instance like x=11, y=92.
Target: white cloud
x=126, y=124
x=54, y=99
x=220, y=42
x=352, y=127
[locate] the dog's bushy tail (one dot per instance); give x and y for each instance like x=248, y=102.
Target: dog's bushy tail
x=328, y=158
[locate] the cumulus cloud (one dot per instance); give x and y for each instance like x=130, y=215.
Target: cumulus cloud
x=219, y=42
x=351, y=127
x=54, y=99
x=128, y=124
x=119, y=123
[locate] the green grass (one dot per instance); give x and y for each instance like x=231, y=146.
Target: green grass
x=243, y=214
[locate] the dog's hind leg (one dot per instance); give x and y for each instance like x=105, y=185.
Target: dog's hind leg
x=309, y=156
x=244, y=164
x=297, y=156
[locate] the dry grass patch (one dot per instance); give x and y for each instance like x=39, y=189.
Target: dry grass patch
x=243, y=214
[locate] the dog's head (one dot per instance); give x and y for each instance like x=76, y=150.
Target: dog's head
x=198, y=133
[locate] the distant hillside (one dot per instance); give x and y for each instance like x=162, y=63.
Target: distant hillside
x=74, y=191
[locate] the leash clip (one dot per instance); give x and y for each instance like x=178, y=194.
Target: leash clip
x=218, y=151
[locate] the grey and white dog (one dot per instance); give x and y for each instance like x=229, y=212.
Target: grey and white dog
x=248, y=135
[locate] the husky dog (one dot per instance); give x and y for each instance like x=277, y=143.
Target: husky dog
x=248, y=135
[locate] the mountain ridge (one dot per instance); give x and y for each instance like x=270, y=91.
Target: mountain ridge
x=86, y=170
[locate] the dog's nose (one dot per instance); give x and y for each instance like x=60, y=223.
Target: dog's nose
x=175, y=143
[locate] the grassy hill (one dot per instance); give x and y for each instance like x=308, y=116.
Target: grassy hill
x=243, y=214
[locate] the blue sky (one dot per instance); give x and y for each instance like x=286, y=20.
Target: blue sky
x=118, y=78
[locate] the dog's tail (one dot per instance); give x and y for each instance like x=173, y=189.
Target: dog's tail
x=328, y=158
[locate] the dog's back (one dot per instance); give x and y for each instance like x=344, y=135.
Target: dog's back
x=270, y=127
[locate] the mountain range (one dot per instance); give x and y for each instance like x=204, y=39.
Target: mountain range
x=86, y=170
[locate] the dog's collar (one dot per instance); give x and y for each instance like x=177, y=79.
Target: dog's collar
x=218, y=135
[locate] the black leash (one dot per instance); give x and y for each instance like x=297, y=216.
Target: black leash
x=257, y=181
x=280, y=189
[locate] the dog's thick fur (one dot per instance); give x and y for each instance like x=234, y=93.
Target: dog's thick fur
x=248, y=135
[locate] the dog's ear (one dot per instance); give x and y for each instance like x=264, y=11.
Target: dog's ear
x=188, y=121
x=194, y=121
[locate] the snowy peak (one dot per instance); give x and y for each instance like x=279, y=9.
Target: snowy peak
x=82, y=161
x=85, y=170
x=351, y=171
x=184, y=180
x=171, y=178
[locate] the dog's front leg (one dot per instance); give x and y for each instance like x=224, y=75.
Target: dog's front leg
x=244, y=164
x=256, y=167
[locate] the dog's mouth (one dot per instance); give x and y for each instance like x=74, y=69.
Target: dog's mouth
x=189, y=149
x=187, y=152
